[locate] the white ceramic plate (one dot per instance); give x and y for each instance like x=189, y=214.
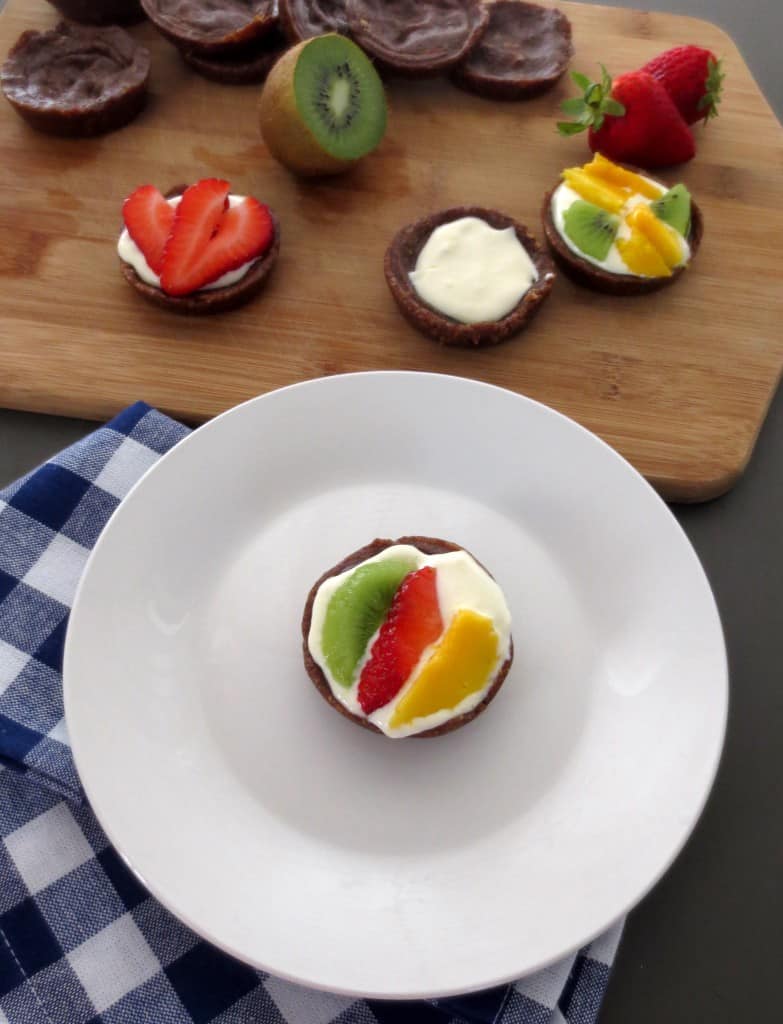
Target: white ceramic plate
x=337, y=858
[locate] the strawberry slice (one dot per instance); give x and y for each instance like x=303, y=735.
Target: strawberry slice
x=210, y=238
x=412, y=624
x=148, y=218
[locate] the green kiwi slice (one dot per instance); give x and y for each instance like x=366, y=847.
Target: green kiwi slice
x=591, y=229
x=355, y=610
x=674, y=209
x=340, y=97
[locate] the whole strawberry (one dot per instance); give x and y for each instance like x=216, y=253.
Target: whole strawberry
x=693, y=77
x=631, y=119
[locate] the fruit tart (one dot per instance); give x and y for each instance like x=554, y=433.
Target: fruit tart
x=468, y=276
x=198, y=250
x=617, y=230
x=407, y=637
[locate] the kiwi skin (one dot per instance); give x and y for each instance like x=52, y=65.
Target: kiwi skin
x=429, y=546
x=284, y=131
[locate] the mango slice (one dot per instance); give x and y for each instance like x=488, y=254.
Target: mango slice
x=607, y=171
x=460, y=665
x=601, y=193
x=641, y=256
x=657, y=233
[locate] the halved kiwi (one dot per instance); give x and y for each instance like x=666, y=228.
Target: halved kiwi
x=591, y=229
x=323, y=106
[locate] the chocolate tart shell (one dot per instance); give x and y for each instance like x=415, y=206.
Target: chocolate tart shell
x=304, y=19
x=247, y=65
x=203, y=26
x=429, y=546
x=390, y=32
x=101, y=12
x=401, y=258
x=218, y=300
x=584, y=273
x=525, y=50
x=76, y=81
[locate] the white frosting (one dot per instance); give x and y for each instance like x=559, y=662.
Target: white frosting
x=461, y=583
x=564, y=196
x=472, y=272
x=129, y=252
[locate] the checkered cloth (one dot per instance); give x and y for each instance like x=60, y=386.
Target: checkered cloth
x=81, y=941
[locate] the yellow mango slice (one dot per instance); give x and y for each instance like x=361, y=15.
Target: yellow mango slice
x=607, y=171
x=459, y=665
x=657, y=233
x=641, y=256
x=598, y=192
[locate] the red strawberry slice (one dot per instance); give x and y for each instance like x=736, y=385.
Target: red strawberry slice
x=148, y=218
x=412, y=624
x=209, y=238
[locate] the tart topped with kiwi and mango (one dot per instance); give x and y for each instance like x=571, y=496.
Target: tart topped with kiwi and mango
x=407, y=637
x=617, y=230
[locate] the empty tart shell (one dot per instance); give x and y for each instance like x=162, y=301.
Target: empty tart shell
x=400, y=260
x=417, y=37
x=524, y=51
x=303, y=19
x=76, y=80
x=244, y=65
x=101, y=12
x=429, y=546
x=587, y=274
x=203, y=26
x=216, y=300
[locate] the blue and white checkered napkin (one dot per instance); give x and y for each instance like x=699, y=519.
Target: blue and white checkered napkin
x=81, y=941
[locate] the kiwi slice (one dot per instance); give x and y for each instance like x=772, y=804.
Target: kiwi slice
x=323, y=106
x=674, y=209
x=355, y=610
x=591, y=229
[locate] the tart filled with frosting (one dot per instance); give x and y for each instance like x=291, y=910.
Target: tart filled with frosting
x=468, y=276
x=199, y=250
x=615, y=229
x=408, y=637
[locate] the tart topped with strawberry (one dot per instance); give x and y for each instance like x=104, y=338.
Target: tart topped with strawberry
x=617, y=230
x=198, y=250
x=410, y=637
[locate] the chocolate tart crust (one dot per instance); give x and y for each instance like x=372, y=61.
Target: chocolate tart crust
x=429, y=546
x=203, y=26
x=218, y=300
x=373, y=22
x=247, y=65
x=525, y=50
x=401, y=258
x=101, y=12
x=584, y=273
x=304, y=19
x=91, y=102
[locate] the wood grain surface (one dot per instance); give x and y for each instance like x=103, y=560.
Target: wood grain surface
x=678, y=382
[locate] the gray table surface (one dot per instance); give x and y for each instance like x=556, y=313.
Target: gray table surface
x=706, y=944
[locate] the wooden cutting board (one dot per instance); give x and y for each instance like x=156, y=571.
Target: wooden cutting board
x=679, y=382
